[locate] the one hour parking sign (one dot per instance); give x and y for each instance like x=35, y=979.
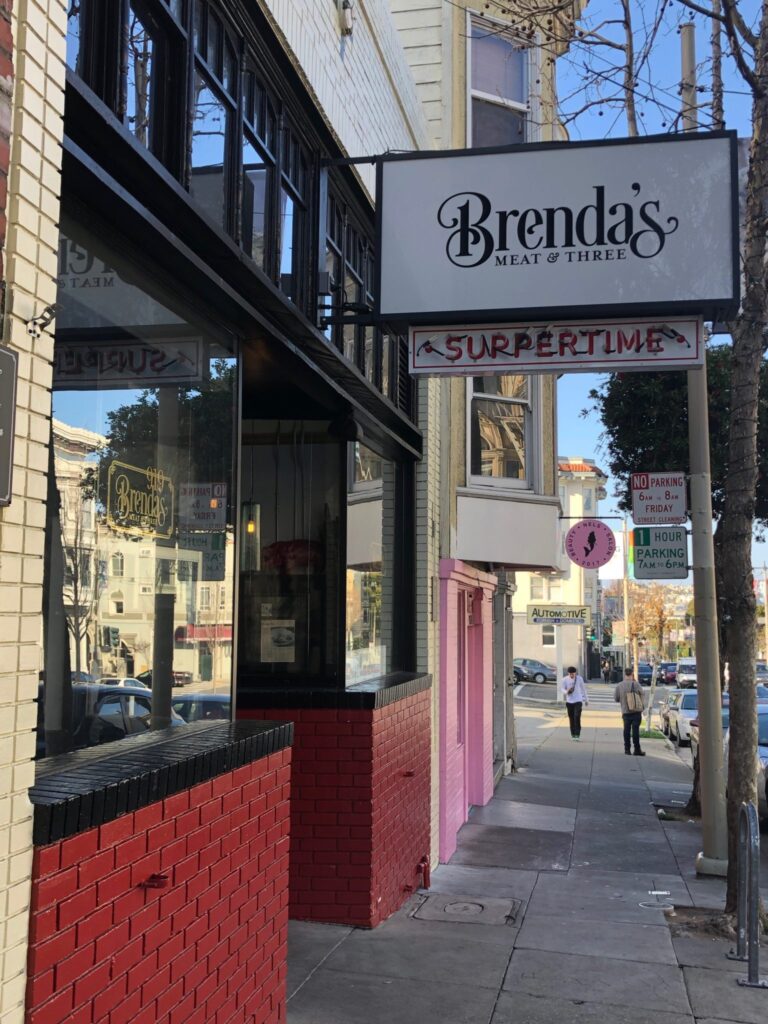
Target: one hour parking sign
x=658, y=498
x=661, y=553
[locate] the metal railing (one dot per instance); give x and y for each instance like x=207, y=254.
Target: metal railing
x=748, y=898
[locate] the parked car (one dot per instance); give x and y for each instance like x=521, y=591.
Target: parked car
x=644, y=674
x=693, y=726
x=681, y=711
x=122, y=681
x=82, y=677
x=521, y=676
x=666, y=673
x=202, y=707
x=686, y=673
x=102, y=714
x=671, y=698
x=762, y=759
x=538, y=671
x=761, y=672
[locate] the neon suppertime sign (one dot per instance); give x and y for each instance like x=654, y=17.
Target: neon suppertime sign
x=611, y=346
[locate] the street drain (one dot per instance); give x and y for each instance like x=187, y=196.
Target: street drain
x=467, y=909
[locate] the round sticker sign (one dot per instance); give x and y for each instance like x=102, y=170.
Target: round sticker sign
x=590, y=544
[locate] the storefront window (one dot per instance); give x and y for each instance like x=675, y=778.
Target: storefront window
x=290, y=533
x=500, y=428
x=210, y=128
x=370, y=557
x=141, y=75
x=140, y=508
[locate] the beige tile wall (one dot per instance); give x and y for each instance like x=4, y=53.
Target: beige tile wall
x=39, y=29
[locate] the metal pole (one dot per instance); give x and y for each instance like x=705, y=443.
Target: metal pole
x=748, y=908
x=713, y=859
x=765, y=613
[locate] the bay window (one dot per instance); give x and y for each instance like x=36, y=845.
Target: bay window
x=501, y=429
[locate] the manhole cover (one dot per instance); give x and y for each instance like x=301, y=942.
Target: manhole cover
x=467, y=909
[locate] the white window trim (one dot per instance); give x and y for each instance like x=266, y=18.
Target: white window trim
x=533, y=448
x=531, y=108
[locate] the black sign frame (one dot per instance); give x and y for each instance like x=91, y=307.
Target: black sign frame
x=720, y=308
x=9, y=371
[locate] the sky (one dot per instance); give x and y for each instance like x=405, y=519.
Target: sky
x=658, y=104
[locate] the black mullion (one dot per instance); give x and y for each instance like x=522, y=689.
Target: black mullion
x=237, y=143
x=122, y=71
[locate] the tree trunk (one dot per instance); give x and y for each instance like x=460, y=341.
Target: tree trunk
x=741, y=479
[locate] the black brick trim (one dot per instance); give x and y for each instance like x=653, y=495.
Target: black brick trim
x=77, y=791
x=377, y=693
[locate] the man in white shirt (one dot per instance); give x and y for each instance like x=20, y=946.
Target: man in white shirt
x=575, y=698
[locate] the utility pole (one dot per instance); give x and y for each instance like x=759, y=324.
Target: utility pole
x=713, y=859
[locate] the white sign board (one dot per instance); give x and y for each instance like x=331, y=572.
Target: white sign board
x=202, y=506
x=661, y=553
x=560, y=229
x=615, y=346
x=658, y=498
x=559, y=615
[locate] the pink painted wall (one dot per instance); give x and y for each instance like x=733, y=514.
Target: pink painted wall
x=466, y=708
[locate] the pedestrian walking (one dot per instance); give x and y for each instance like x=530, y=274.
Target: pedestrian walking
x=575, y=698
x=629, y=694
x=606, y=670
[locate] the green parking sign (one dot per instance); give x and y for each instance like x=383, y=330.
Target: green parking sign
x=661, y=552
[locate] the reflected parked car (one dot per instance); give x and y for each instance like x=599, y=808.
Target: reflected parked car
x=202, y=707
x=102, y=714
x=538, y=671
x=179, y=678
x=122, y=681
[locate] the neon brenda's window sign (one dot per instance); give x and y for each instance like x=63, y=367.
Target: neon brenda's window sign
x=140, y=501
x=611, y=345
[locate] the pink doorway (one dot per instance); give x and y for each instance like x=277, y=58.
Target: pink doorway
x=466, y=696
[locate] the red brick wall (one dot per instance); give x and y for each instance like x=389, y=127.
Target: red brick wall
x=359, y=818
x=6, y=89
x=208, y=948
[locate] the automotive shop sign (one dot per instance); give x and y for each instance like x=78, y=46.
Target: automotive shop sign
x=559, y=615
x=623, y=227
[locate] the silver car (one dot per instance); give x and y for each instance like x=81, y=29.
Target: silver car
x=762, y=759
x=686, y=673
x=681, y=712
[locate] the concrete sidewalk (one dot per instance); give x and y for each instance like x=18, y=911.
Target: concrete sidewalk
x=551, y=910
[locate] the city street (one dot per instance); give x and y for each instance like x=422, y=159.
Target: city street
x=551, y=910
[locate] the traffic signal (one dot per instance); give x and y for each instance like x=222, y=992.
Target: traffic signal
x=114, y=636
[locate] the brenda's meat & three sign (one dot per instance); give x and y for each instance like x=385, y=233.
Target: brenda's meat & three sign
x=576, y=229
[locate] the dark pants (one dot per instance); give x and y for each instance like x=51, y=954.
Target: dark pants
x=574, y=717
x=632, y=721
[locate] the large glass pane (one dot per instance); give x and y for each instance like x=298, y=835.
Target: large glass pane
x=140, y=507
x=141, y=70
x=289, y=550
x=290, y=221
x=255, y=191
x=498, y=65
x=209, y=147
x=496, y=125
x=498, y=439
x=370, y=554
x=75, y=21
x=511, y=385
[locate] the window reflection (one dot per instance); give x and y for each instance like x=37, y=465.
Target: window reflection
x=74, y=35
x=255, y=186
x=209, y=144
x=141, y=66
x=140, y=534
x=498, y=439
x=370, y=553
x=288, y=226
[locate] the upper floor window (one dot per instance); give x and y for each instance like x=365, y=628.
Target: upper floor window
x=118, y=564
x=498, y=93
x=500, y=429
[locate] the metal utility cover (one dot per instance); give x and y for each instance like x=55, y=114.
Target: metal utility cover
x=467, y=909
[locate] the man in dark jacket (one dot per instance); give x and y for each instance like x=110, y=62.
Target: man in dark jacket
x=629, y=693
